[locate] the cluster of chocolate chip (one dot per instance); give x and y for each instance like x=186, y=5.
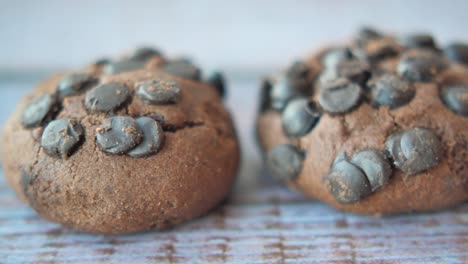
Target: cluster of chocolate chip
x=136, y=61
x=349, y=76
x=352, y=179
x=124, y=135
x=117, y=135
x=61, y=137
x=412, y=151
x=135, y=137
x=138, y=137
x=181, y=67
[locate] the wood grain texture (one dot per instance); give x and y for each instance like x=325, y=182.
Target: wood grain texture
x=261, y=222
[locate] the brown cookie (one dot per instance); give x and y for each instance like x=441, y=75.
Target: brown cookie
x=382, y=127
x=133, y=150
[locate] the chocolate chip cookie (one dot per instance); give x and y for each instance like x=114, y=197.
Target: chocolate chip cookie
x=125, y=145
x=375, y=126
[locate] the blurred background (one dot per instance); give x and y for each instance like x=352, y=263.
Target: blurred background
x=235, y=35
x=247, y=40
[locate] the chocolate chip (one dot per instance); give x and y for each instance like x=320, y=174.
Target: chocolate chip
x=282, y=91
x=327, y=75
x=118, y=134
x=183, y=70
x=375, y=167
x=264, y=97
x=153, y=136
x=106, y=97
x=369, y=33
x=183, y=59
x=332, y=58
x=123, y=66
x=421, y=40
x=347, y=183
x=216, y=79
x=61, y=137
x=144, y=54
x=391, y=90
x=415, y=150
x=457, y=52
x=420, y=65
x=455, y=97
x=102, y=62
x=285, y=162
x=299, y=117
x=75, y=84
x=354, y=70
x=339, y=96
x=366, y=34
x=298, y=71
x=298, y=76
x=159, y=92
x=293, y=83
x=38, y=110
x=348, y=67
x=377, y=50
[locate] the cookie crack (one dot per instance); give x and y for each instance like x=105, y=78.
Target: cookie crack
x=395, y=123
x=346, y=131
x=129, y=101
x=36, y=156
x=172, y=128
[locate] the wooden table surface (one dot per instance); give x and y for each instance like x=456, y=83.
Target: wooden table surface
x=261, y=222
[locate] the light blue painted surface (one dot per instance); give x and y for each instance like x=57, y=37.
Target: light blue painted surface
x=230, y=34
